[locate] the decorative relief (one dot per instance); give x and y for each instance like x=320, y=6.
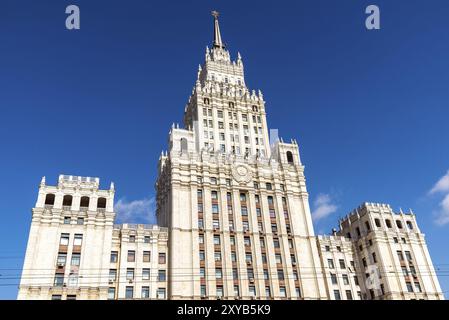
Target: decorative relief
x=242, y=173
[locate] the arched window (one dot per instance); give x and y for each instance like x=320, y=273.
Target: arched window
x=101, y=203
x=290, y=157
x=184, y=145
x=206, y=101
x=410, y=225
x=67, y=201
x=50, y=199
x=84, y=202
x=399, y=224
x=388, y=223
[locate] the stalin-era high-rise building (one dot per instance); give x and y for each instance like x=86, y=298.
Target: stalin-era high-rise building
x=233, y=220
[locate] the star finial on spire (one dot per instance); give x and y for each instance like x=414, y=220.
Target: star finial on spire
x=218, y=43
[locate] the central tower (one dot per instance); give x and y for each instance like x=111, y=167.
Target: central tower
x=235, y=203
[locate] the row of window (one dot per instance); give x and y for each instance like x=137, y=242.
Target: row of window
x=348, y=293
x=130, y=274
x=345, y=278
x=252, y=291
x=68, y=200
x=379, y=225
x=145, y=293
x=232, y=115
x=213, y=180
x=131, y=256
x=65, y=239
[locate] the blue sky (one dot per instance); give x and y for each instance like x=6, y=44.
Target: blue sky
x=368, y=108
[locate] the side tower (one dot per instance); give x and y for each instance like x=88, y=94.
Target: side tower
x=69, y=245
x=236, y=206
x=391, y=256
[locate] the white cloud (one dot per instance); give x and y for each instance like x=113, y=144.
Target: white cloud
x=137, y=211
x=443, y=216
x=442, y=185
x=323, y=207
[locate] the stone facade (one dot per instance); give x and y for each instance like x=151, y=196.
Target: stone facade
x=233, y=216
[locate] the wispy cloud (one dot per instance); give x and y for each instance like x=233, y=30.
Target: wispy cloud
x=136, y=211
x=323, y=207
x=442, y=187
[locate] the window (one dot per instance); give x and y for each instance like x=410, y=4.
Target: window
x=220, y=291
x=242, y=197
x=129, y=293
x=233, y=257
x=348, y=295
x=404, y=271
x=146, y=274
x=330, y=263
x=217, y=256
x=80, y=221
x=200, y=223
x=78, y=240
x=56, y=297
x=377, y=222
x=295, y=275
x=395, y=239
x=345, y=279
x=367, y=225
x=130, y=274
x=418, y=287
x=145, y=292
x=337, y=295
x=399, y=224
x=111, y=293
x=146, y=256
x=112, y=274
x=213, y=180
x=59, y=280
x=269, y=186
x=356, y=280
x=410, y=225
x=75, y=259
x=281, y=275
x=244, y=211
x=342, y=264
x=232, y=240
x=131, y=256
x=258, y=212
x=247, y=241
x=327, y=248
x=161, y=275
x=162, y=258
x=215, y=208
x=338, y=248
x=252, y=291
x=161, y=293
x=235, y=274
x=67, y=220
x=272, y=213
x=388, y=223
x=266, y=275
x=114, y=257
x=408, y=255
x=248, y=257
x=270, y=200
x=203, y=290
x=400, y=255
x=282, y=292
x=403, y=240
x=214, y=195
x=409, y=286
x=374, y=257
x=218, y=274
x=216, y=224
x=278, y=258
x=334, y=278
x=276, y=243
x=202, y=256
x=217, y=240
x=364, y=262
x=264, y=258
x=245, y=225
x=64, y=241
x=62, y=257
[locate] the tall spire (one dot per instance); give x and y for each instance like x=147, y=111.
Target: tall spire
x=218, y=43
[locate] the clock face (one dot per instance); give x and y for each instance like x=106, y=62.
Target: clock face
x=242, y=174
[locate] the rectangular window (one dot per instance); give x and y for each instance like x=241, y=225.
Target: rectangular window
x=217, y=240
x=146, y=256
x=281, y=275
x=161, y=293
x=236, y=291
x=244, y=211
x=130, y=274
x=64, y=241
x=252, y=291
x=215, y=209
x=162, y=258
x=132, y=238
x=161, y=275
x=59, y=280
x=337, y=295
x=269, y=186
x=75, y=259
x=219, y=291
x=235, y=274
x=278, y=258
x=146, y=274
x=80, y=221
x=129, y=293
x=131, y=256
x=202, y=273
x=203, y=290
x=78, y=240
x=112, y=274
x=348, y=295
x=56, y=297
x=342, y=264
x=218, y=274
x=330, y=263
x=114, y=257
x=334, y=278
x=266, y=274
x=409, y=286
x=67, y=220
x=111, y=293
x=276, y=243
x=216, y=224
x=146, y=239
x=62, y=258
x=202, y=257
x=345, y=279
x=282, y=292
x=217, y=256
x=145, y=292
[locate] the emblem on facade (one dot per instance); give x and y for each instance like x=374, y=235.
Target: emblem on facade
x=242, y=174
